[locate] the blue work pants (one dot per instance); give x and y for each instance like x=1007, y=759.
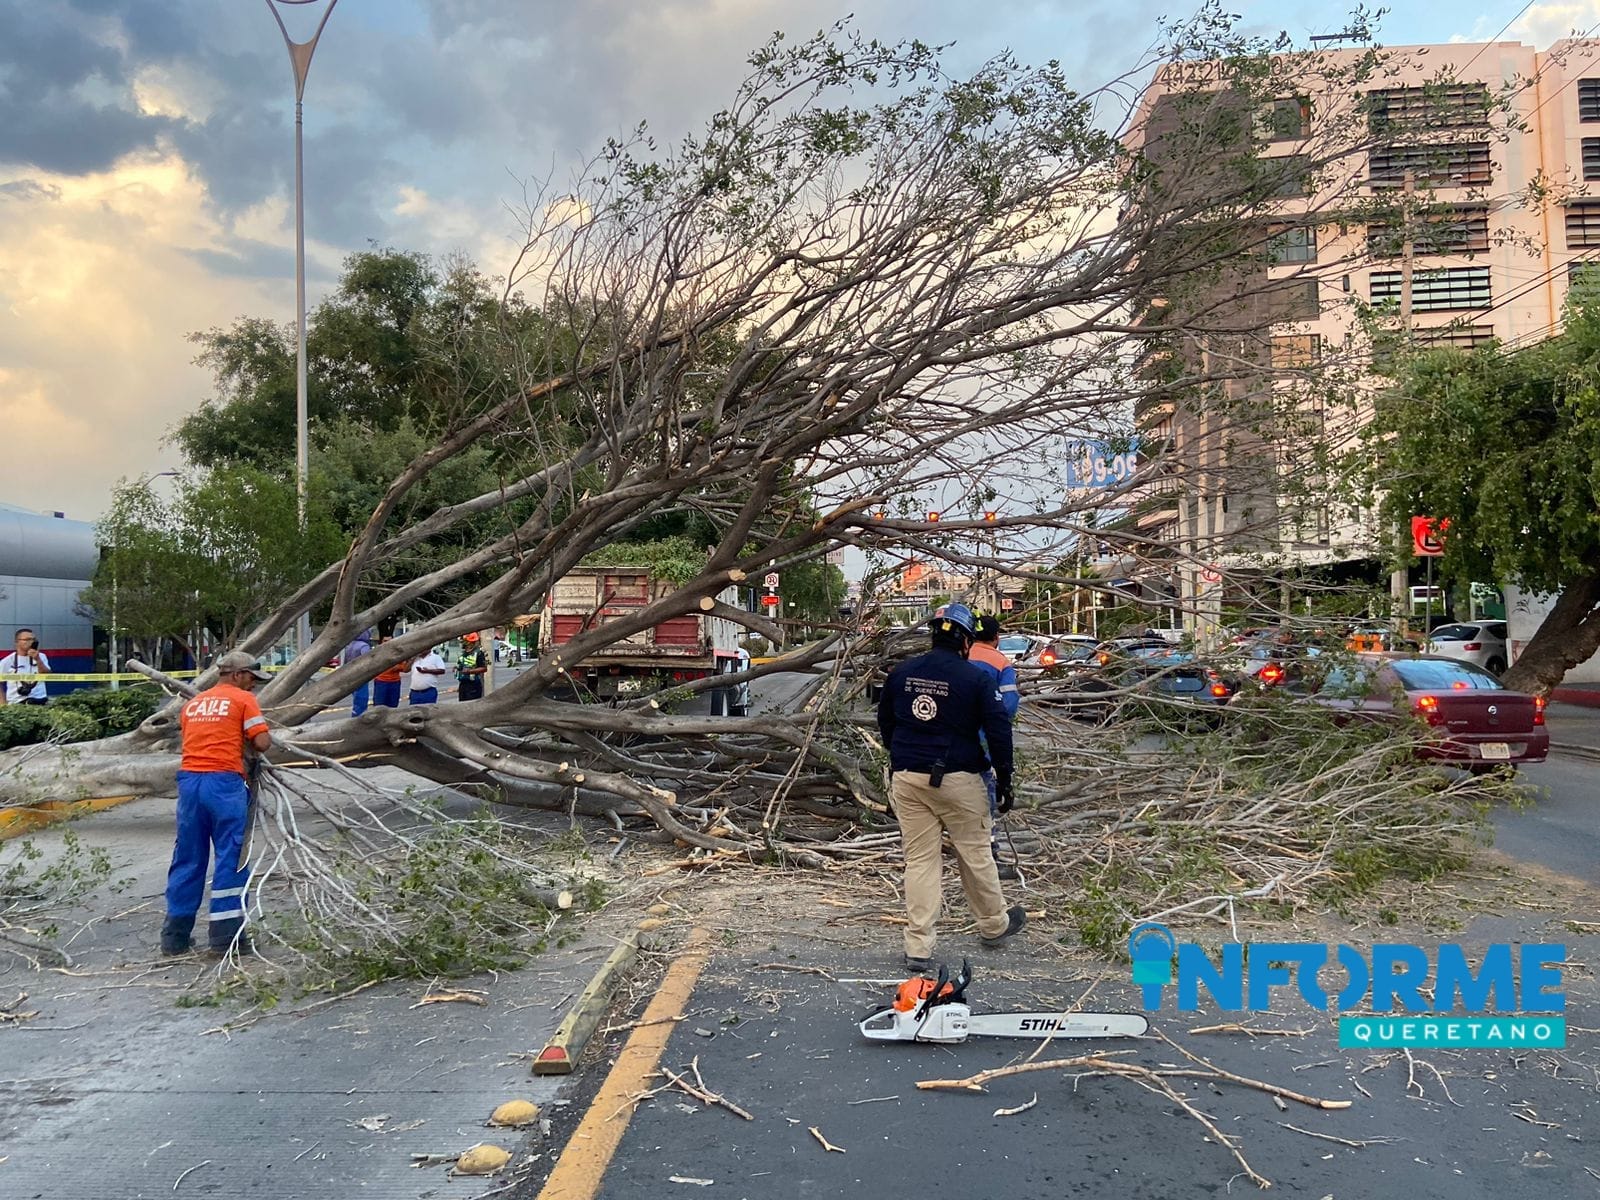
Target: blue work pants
x=358, y=700
x=386, y=694
x=213, y=809
x=425, y=695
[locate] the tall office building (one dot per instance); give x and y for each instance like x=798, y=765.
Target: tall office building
x=1468, y=202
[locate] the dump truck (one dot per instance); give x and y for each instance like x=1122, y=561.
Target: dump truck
x=679, y=649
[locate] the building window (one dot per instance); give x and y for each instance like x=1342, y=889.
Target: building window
x=1589, y=100
x=1296, y=350
x=1460, y=337
x=1583, y=224
x=1292, y=244
x=1292, y=300
x=1455, y=231
x=1448, y=164
x=1436, y=291
x=1287, y=177
x=1591, y=158
x=1432, y=106
x=1287, y=119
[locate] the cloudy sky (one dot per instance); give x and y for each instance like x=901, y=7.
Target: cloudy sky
x=146, y=158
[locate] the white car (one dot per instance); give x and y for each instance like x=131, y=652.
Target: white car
x=1482, y=643
x=1020, y=647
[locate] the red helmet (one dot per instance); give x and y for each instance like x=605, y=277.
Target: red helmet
x=470, y=638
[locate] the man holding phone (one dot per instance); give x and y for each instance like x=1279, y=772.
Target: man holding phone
x=26, y=659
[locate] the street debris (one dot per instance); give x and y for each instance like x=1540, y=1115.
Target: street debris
x=1359, y=1144
x=826, y=1144
x=189, y=1172
x=873, y=1100
x=453, y=996
x=483, y=1159
x=690, y=1179
x=515, y=1114
x=372, y=1124
x=702, y=1093
x=1021, y=1108
x=1250, y=1031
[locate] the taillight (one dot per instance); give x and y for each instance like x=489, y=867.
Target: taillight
x=1459, y=685
x=1103, y=657
x=1427, y=707
x=1048, y=658
x=1472, y=645
x=1271, y=674
x=1219, y=689
x=1538, y=710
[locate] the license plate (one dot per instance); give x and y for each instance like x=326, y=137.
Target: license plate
x=1501, y=750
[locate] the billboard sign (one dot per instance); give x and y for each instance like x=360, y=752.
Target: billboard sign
x=1101, y=464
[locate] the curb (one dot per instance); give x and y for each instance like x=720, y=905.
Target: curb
x=27, y=818
x=1575, y=749
x=570, y=1037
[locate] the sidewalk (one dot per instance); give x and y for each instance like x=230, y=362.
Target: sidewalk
x=1574, y=729
x=114, y=1091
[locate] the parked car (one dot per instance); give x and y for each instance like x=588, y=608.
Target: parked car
x=1065, y=654
x=1130, y=648
x=1475, y=721
x=1482, y=643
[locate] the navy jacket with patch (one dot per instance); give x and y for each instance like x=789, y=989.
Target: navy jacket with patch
x=934, y=706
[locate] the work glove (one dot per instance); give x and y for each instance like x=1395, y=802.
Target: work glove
x=1005, y=798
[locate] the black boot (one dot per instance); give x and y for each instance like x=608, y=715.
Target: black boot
x=227, y=935
x=176, y=935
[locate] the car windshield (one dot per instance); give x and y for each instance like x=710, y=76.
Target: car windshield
x=1422, y=674
x=1015, y=643
x=1455, y=633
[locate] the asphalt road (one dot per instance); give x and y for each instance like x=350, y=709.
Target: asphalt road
x=1560, y=830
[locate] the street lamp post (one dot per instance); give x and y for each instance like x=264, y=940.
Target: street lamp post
x=300, y=61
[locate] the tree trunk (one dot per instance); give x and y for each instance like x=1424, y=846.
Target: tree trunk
x=1569, y=635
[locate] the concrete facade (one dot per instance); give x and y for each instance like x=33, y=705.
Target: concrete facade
x=1516, y=198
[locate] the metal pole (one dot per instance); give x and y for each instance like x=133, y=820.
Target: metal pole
x=300, y=61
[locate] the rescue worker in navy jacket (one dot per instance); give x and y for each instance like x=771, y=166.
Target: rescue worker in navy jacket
x=931, y=712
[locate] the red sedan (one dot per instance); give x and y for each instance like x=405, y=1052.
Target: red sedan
x=1481, y=724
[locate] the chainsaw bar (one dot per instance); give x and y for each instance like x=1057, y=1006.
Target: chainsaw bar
x=1061, y=1025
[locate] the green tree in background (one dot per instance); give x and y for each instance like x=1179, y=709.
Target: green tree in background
x=1506, y=447
x=211, y=559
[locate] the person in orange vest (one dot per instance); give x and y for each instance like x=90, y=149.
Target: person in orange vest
x=386, y=684
x=214, y=807
x=987, y=654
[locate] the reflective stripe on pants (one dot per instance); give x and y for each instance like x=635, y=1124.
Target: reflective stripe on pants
x=212, y=810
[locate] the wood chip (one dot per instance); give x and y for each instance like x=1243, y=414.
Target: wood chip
x=1011, y=1112
x=690, y=1179
x=453, y=997
x=826, y=1144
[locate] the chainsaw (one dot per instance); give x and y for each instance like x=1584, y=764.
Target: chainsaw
x=925, y=1010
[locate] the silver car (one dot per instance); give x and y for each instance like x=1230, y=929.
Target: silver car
x=1482, y=643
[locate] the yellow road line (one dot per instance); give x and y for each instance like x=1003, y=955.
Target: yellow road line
x=589, y=1152
x=14, y=822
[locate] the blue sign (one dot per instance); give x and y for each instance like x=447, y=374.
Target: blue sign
x=1100, y=464
x=1459, y=1006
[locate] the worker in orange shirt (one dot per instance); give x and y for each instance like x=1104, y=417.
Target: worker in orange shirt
x=987, y=654
x=214, y=807
x=386, y=684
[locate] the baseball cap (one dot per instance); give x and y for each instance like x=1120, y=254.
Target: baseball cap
x=238, y=660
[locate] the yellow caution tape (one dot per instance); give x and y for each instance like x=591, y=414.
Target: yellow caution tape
x=106, y=677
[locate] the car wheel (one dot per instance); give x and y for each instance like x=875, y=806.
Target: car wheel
x=1495, y=666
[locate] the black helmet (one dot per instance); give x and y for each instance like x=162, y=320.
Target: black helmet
x=987, y=628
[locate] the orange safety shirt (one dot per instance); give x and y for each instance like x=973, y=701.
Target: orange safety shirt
x=392, y=675
x=215, y=726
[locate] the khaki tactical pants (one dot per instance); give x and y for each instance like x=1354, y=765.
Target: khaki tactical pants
x=961, y=805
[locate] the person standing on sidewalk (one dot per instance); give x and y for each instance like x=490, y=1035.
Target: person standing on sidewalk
x=931, y=712
x=987, y=654
x=26, y=659
x=425, y=675
x=360, y=648
x=471, y=668
x=214, y=807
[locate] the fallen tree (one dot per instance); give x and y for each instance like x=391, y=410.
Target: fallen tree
x=868, y=290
